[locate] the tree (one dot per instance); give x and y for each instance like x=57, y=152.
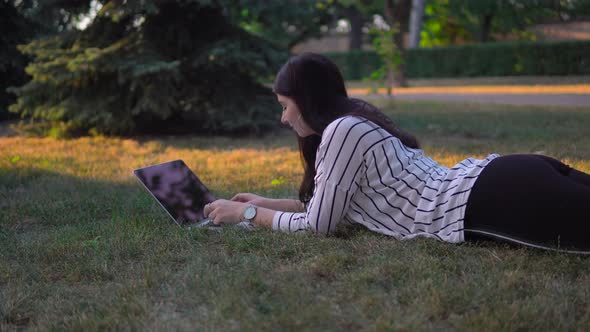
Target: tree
x=384, y=45
x=357, y=21
x=440, y=26
x=416, y=16
x=286, y=23
x=153, y=66
x=358, y=14
x=12, y=62
x=449, y=21
x=52, y=16
x=483, y=17
x=397, y=14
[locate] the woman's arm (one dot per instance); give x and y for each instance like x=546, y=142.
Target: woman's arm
x=223, y=211
x=264, y=217
x=339, y=168
x=338, y=173
x=288, y=205
x=277, y=204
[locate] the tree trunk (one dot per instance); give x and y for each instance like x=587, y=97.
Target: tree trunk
x=416, y=22
x=400, y=74
x=486, y=26
x=355, y=37
x=399, y=13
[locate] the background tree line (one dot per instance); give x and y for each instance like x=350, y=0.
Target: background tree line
x=202, y=65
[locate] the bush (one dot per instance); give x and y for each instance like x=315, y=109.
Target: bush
x=493, y=59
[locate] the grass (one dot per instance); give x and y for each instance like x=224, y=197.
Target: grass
x=83, y=247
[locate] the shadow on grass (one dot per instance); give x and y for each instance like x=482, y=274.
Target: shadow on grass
x=44, y=198
x=85, y=254
x=64, y=240
x=72, y=246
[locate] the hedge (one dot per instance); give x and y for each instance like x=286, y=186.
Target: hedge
x=492, y=59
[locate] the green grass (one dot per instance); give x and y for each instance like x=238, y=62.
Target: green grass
x=84, y=247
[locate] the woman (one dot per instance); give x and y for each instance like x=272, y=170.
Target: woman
x=360, y=168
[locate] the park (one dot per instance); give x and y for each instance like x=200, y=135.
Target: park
x=95, y=89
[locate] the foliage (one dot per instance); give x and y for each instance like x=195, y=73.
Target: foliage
x=503, y=59
x=390, y=55
x=396, y=13
x=152, y=66
x=451, y=21
x=483, y=17
x=26, y=20
x=286, y=23
x=12, y=62
x=493, y=59
x=440, y=27
x=355, y=64
x=52, y=16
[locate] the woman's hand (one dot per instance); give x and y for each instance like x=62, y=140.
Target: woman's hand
x=223, y=211
x=252, y=199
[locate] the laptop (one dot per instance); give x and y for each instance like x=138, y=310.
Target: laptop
x=180, y=192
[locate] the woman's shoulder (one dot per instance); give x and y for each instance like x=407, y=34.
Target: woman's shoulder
x=349, y=129
x=347, y=124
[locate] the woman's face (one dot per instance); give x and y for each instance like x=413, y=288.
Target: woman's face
x=292, y=116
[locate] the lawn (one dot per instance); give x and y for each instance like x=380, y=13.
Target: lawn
x=83, y=247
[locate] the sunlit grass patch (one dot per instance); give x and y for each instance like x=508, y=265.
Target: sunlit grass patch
x=113, y=160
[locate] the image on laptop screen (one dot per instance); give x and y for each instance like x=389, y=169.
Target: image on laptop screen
x=177, y=189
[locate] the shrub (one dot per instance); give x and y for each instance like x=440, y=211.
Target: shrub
x=491, y=59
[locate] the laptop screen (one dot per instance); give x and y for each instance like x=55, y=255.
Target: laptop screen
x=177, y=189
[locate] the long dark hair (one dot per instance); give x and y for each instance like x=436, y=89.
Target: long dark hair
x=317, y=87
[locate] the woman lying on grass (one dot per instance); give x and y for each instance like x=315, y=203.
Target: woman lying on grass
x=360, y=168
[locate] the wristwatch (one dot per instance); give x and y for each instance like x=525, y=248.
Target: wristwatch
x=249, y=213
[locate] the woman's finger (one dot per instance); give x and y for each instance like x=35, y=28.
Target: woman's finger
x=241, y=198
x=217, y=220
x=207, y=209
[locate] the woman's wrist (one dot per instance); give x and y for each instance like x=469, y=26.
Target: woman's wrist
x=299, y=206
x=263, y=217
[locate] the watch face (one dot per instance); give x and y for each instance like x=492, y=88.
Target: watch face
x=250, y=212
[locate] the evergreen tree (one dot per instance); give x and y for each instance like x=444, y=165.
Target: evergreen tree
x=285, y=22
x=17, y=30
x=153, y=66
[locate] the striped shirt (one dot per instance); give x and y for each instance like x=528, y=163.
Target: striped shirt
x=365, y=175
